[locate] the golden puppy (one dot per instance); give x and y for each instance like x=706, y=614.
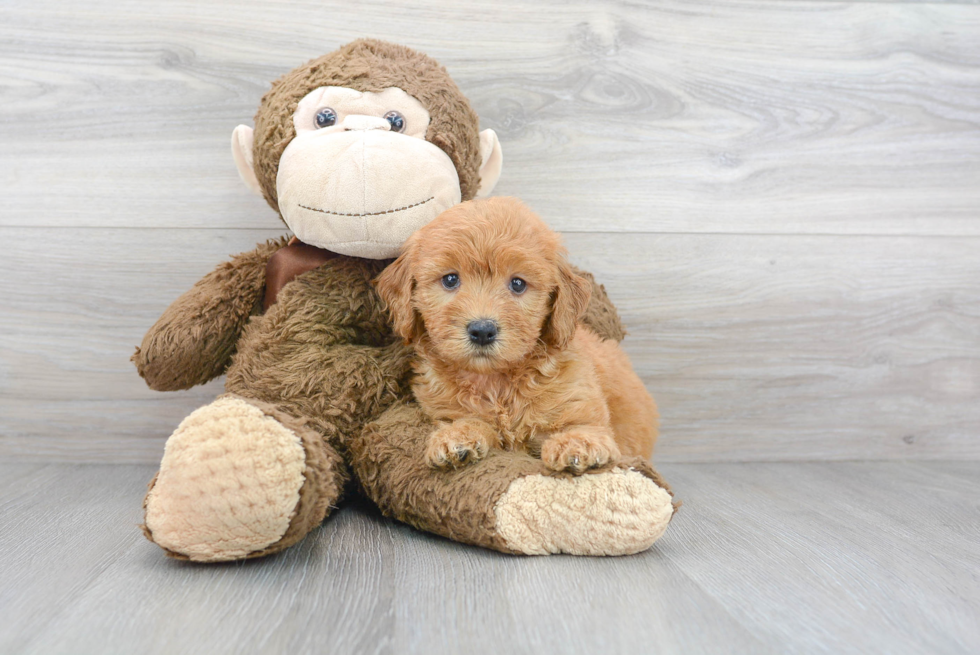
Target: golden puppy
x=492, y=306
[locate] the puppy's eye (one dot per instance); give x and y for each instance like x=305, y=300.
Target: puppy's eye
x=517, y=285
x=326, y=117
x=450, y=281
x=396, y=120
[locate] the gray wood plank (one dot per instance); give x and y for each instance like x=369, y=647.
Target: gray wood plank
x=792, y=348
x=756, y=347
x=746, y=117
x=60, y=530
x=836, y=557
x=15, y=473
x=360, y=584
x=809, y=558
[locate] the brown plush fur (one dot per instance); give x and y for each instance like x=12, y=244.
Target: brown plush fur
x=389, y=455
x=371, y=65
x=323, y=360
x=326, y=354
x=325, y=351
x=195, y=338
x=545, y=384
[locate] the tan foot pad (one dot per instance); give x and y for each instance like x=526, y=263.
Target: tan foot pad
x=228, y=484
x=619, y=512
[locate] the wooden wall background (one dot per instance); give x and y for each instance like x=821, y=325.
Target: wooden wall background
x=782, y=197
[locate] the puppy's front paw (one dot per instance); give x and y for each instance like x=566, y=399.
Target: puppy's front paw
x=576, y=450
x=459, y=443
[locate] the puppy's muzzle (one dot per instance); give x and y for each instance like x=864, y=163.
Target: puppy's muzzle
x=483, y=332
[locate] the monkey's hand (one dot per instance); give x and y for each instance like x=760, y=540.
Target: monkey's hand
x=196, y=336
x=601, y=314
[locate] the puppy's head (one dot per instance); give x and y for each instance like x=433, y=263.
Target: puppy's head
x=484, y=283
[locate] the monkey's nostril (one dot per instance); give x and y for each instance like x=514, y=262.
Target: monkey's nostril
x=358, y=122
x=482, y=332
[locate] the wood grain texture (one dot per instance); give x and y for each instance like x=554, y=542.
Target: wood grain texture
x=744, y=117
x=781, y=197
x=763, y=558
x=756, y=347
x=863, y=557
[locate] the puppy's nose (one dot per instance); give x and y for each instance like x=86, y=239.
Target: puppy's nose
x=482, y=331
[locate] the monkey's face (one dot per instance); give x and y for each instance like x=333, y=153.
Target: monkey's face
x=357, y=173
x=359, y=177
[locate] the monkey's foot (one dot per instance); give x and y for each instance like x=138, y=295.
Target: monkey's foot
x=239, y=479
x=509, y=501
x=616, y=512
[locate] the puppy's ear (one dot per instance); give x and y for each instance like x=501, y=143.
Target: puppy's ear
x=569, y=301
x=395, y=286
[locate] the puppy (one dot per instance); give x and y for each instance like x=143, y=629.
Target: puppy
x=485, y=294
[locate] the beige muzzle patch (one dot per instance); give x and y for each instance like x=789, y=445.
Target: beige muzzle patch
x=363, y=192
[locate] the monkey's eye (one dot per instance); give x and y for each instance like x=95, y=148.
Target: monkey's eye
x=517, y=285
x=326, y=117
x=450, y=281
x=396, y=120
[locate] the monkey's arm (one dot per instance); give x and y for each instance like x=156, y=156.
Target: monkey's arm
x=601, y=315
x=195, y=338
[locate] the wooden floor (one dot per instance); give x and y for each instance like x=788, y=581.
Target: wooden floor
x=804, y=558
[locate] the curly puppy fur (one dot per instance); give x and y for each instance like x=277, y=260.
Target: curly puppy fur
x=543, y=383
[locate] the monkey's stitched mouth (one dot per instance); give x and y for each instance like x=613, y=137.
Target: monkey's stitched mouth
x=387, y=211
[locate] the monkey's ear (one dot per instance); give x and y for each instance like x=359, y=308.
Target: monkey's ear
x=492, y=161
x=569, y=301
x=395, y=286
x=241, y=151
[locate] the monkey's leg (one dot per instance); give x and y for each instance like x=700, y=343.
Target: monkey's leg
x=240, y=479
x=509, y=501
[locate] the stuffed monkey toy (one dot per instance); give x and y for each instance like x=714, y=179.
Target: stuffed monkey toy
x=355, y=150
